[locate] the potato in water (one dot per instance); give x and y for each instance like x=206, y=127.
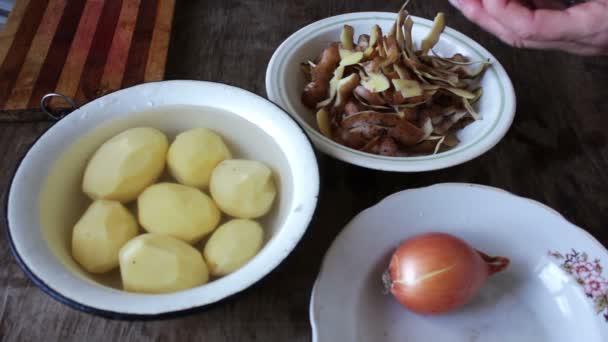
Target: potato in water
x=232, y=245
x=243, y=188
x=126, y=164
x=193, y=156
x=100, y=233
x=156, y=263
x=177, y=210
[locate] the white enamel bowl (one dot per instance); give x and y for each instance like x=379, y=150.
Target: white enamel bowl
x=41, y=213
x=285, y=81
x=555, y=289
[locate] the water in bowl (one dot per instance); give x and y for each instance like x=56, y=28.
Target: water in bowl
x=62, y=201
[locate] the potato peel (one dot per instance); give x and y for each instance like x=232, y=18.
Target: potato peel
x=438, y=146
x=460, y=92
x=350, y=58
x=478, y=93
x=316, y=90
x=409, y=43
x=375, y=37
x=333, y=87
x=408, y=88
x=433, y=37
x=383, y=95
x=345, y=89
x=323, y=122
x=375, y=82
x=470, y=109
x=346, y=38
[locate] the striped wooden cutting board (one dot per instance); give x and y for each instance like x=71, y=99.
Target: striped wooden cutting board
x=81, y=48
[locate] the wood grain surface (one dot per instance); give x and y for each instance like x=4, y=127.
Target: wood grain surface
x=556, y=152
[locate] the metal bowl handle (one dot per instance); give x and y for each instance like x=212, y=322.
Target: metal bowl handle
x=57, y=115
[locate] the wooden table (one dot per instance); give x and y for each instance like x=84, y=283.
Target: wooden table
x=556, y=152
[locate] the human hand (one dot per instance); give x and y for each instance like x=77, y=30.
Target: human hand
x=543, y=24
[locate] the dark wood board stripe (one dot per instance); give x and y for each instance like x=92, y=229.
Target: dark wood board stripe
x=7, y=35
x=114, y=69
x=88, y=88
x=9, y=70
x=140, y=44
x=55, y=59
x=23, y=116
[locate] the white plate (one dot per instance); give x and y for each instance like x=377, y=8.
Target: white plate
x=285, y=81
x=538, y=298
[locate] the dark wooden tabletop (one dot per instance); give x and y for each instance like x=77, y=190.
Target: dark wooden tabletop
x=556, y=152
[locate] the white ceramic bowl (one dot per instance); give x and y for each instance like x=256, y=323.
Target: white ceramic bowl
x=554, y=290
x=285, y=82
x=41, y=213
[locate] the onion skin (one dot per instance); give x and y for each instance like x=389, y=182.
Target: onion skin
x=436, y=273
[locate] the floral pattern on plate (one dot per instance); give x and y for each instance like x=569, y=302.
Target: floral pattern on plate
x=588, y=273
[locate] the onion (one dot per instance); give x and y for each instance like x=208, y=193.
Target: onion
x=436, y=273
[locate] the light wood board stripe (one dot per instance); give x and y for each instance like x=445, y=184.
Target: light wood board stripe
x=79, y=51
x=155, y=66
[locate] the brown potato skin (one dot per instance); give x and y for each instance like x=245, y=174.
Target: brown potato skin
x=388, y=147
x=371, y=124
x=351, y=108
x=318, y=89
x=345, y=92
x=371, y=98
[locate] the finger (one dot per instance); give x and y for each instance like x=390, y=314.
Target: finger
x=571, y=47
x=474, y=11
x=545, y=24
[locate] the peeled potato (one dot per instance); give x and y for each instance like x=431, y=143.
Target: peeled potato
x=177, y=210
x=193, y=156
x=243, y=188
x=156, y=263
x=126, y=164
x=100, y=233
x=232, y=245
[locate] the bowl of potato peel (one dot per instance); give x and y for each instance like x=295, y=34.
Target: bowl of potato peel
x=161, y=198
x=392, y=91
